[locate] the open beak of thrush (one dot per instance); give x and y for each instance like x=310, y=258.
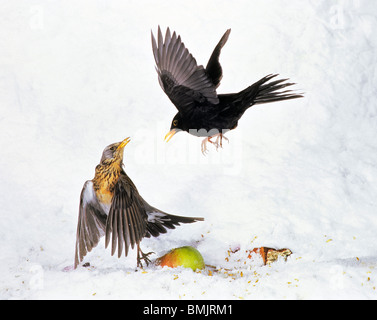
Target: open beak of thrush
x=170, y=135
x=124, y=143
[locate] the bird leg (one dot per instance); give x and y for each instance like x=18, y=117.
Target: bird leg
x=142, y=256
x=220, y=136
x=204, y=145
x=218, y=142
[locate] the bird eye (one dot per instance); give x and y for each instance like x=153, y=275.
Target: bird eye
x=175, y=122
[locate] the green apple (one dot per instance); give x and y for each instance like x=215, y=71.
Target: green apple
x=187, y=257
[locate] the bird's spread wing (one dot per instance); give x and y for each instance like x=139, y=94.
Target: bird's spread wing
x=213, y=68
x=159, y=221
x=91, y=223
x=126, y=222
x=185, y=83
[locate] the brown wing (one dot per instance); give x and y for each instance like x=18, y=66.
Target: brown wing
x=91, y=223
x=126, y=223
x=180, y=77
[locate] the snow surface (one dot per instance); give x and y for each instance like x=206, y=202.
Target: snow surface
x=76, y=76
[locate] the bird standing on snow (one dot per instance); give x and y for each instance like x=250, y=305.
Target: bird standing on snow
x=192, y=89
x=110, y=205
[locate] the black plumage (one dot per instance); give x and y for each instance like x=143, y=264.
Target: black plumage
x=111, y=206
x=192, y=89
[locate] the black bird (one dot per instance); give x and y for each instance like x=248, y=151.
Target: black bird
x=110, y=205
x=192, y=89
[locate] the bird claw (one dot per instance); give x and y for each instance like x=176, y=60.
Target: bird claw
x=217, y=143
x=143, y=256
x=204, y=145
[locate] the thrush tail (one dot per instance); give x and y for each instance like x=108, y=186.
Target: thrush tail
x=264, y=91
x=159, y=221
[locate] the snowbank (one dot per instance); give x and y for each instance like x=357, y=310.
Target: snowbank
x=79, y=75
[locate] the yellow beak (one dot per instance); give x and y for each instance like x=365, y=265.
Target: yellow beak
x=170, y=135
x=124, y=143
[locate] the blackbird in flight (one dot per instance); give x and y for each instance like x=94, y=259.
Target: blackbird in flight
x=111, y=206
x=192, y=89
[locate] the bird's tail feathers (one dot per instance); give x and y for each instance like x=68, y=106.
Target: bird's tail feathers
x=159, y=222
x=264, y=91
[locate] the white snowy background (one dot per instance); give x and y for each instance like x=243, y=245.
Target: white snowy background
x=76, y=76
